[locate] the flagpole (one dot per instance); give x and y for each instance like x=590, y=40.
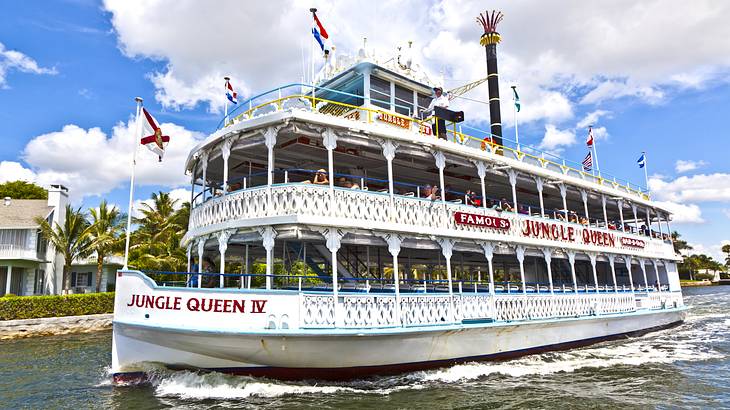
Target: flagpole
x=225, y=115
x=595, y=153
x=646, y=172
x=514, y=109
x=130, y=208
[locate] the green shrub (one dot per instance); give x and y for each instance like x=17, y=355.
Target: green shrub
x=704, y=276
x=31, y=307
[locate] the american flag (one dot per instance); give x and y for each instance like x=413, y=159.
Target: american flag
x=588, y=162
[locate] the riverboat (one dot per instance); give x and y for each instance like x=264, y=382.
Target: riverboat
x=335, y=233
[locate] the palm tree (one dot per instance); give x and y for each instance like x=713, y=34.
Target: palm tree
x=71, y=240
x=105, y=233
x=156, y=242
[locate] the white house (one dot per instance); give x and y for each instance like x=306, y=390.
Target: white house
x=29, y=265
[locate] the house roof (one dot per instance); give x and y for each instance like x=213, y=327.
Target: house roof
x=22, y=212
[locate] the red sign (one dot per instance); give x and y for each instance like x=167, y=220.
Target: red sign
x=395, y=120
x=425, y=129
x=634, y=243
x=463, y=218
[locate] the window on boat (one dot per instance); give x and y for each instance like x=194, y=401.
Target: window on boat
x=380, y=92
x=403, y=100
x=423, y=101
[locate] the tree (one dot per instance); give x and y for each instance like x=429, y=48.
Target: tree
x=156, y=242
x=22, y=190
x=726, y=250
x=70, y=240
x=105, y=232
x=679, y=244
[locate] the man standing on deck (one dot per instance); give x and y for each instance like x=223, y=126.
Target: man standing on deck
x=440, y=100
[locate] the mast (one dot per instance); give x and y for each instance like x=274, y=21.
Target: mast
x=489, y=40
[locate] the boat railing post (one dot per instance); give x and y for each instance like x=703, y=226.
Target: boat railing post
x=300, y=284
x=286, y=177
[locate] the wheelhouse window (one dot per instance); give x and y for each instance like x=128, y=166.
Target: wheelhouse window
x=380, y=92
x=423, y=101
x=403, y=100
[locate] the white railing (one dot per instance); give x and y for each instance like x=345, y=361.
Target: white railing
x=409, y=214
x=8, y=251
x=374, y=311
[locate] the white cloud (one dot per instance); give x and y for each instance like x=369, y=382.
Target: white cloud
x=14, y=171
x=694, y=188
x=683, y=213
x=713, y=250
x=587, y=52
x=555, y=138
x=592, y=118
x=89, y=162
x=15, y=60
x=688, y=165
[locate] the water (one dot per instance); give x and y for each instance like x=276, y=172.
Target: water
x=687, y=366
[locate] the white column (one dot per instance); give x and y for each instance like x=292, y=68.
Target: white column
x=648, y=222
x=270, y=141
x=592, y=257
x=192, y=186
x=334, y=241
x=512, y=174
x=643, y=271
x=520, y=252
x=9, y=277
x=620, y=204
x=539, y=184
x=482, y=172
x=612, y=263
x=584, y=197
x=245, y=268
x=201, y=250
x=659, y=223
x=204, y=160
x=189, y=252
x=669, y=228
x=656, y=271
x=564, y=194
x=548, y=253
x=389, y=148
x=488, y=248
x=605, y=214
x=267, y=238
x=330, y=142
x=394, y=242
x=223, y=237
x=441, y=164
x=627, y=262
x=571, y=260
x=225, y=153
x=447, y=249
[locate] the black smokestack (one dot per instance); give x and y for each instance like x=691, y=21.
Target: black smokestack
x=489, y=40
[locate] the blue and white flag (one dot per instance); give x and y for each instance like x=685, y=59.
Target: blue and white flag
x=642, y=160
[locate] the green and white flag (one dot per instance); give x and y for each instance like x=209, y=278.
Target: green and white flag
x=517, y=98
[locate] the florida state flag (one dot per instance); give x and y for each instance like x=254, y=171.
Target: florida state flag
x=152, y=137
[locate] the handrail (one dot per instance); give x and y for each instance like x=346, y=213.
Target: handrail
x=520, y=150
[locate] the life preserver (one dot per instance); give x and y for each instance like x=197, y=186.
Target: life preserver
x=485, y=141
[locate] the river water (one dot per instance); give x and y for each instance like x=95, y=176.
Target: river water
x=687, y=366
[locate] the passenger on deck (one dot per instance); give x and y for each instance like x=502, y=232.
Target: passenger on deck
x=319, y=178
x=346, y=183
x=560, y=216
x=573, y=217
x=584, y=221
x=521, y=209
x=471, y=198
x=505, y=206
x=430, y=192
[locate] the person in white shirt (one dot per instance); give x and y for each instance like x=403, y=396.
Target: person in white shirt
x=440, y=100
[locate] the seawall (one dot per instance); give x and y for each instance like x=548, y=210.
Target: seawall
x=11, y=329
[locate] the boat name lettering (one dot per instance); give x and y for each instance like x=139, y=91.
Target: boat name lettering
x=591, y=237
x=463, y=218
x=546, y=230
x=395, y=120
x=635, y=243
x=196, y=304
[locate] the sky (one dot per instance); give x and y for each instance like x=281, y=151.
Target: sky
x=649, y=76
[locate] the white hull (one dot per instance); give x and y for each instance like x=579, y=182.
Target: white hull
x=346, y=353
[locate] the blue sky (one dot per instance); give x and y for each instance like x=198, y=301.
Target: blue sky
x=81, y=63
